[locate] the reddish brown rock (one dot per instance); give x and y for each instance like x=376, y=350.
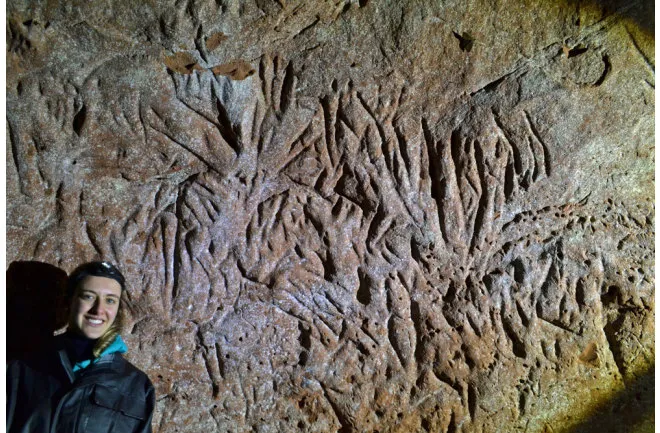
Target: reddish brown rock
x=391, y=217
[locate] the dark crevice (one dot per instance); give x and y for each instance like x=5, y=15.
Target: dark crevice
x=79, y=120
x=518, y=270
x=226, y=129
x=483, y=198
x=606, y=71
x=465, y=41
x=438, y=181
x=576, y=51
x=364, y=293
x=518, y=345
x=286, y=96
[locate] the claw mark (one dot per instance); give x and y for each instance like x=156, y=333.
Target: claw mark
x=558, y=325
x=226, y=129
x=92, y=239
x=184, y=146
x=79, y=120
x=308, y=27
x=472, y=400
x=517, y=343
x=646, y=59
x=287, y=93
x=606, y=71
x=18, y=162
x=547, y=166
x=438, y=180
x=345, y=424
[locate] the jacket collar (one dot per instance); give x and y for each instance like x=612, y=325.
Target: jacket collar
x=109, y=365
x=66, y=364
x=110, y=362
x=117, y=346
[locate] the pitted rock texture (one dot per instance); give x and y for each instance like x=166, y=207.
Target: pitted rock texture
x=350, y=216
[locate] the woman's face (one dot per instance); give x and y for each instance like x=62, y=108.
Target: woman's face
x=94, y=306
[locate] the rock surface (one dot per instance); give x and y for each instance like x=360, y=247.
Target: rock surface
x=351, y=216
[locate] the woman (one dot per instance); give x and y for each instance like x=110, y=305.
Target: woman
x=81, y=383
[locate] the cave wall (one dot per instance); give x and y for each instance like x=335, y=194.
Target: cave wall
x=349, y=216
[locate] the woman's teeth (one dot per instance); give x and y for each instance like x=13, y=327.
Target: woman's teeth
x=95, y=321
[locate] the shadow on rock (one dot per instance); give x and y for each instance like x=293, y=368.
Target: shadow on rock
x=641, y=12
x=35, y=296
x=630, y=411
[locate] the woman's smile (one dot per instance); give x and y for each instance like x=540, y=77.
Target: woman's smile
x=94, y=322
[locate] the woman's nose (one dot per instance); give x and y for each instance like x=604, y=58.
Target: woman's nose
x=96, y=306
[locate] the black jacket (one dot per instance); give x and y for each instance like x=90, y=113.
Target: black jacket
x=44, y=395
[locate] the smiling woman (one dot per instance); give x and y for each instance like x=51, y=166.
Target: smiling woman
x=81, y=382
x=94, y=307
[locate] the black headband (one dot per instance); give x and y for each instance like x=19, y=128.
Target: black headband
x=94, y=269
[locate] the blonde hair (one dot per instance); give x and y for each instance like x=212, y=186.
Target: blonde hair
x=110, y=334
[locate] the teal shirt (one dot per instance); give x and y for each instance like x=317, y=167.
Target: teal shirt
x=117, y=346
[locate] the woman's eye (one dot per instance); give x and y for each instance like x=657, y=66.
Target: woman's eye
x=86, y=297
x=111, y=301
